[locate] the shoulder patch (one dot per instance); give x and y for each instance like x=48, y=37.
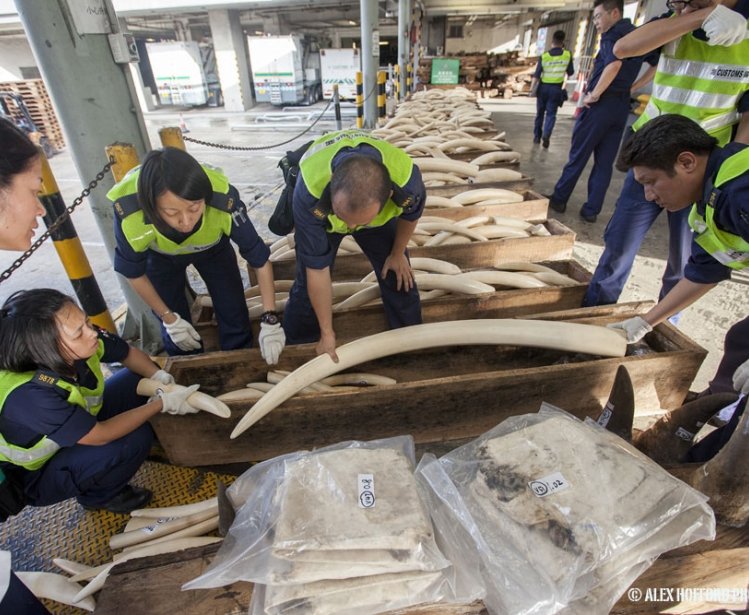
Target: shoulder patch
x=126, y=205
x=323, y=205
x=403, y=199
x=45, y=378
x=222, y=202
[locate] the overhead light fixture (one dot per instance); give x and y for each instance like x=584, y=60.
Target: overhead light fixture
x=351, y=22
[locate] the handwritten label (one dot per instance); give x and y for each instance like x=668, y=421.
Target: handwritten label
x=548, y=484
x=366, y=491
x=90, y=16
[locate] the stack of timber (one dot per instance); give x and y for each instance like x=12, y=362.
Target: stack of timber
x=35, y=96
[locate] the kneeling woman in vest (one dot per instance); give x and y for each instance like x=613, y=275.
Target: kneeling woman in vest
x=64, y=432
x=171, y=212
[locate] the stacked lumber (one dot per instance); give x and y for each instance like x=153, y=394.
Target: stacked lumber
x=34, y=94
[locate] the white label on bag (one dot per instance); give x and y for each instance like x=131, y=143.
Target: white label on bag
x=366, y=491
x=548, y=484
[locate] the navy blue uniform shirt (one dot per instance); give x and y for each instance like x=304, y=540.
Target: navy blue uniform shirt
x=132, y=264
x=731, y=215
x=555, y=51
x=312, y=247
x=34, y=410
x=630, y=67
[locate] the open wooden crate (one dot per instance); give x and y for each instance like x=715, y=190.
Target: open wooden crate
x=524, y=183
x=367, y=320
x=443, y=394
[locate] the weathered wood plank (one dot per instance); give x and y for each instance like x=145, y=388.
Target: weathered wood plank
x=443, y=394
x=367, y=320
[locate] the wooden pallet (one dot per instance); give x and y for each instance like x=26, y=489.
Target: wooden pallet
x=37, y=100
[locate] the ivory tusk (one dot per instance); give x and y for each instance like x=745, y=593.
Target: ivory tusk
x=448, y=178
x=445, y=165
x=494, y=231
x=55, y=587
x=147, y=388
x=505, y=278
x=165, y=547
x=497, y=175
x=555, y=279
x=158, y=529
x=279, y=286
x=182, y=510
x=496, y=156
x=571, y=337
x=453, y=283
x=277, y=376
x=346, y=289
x=452, y=228
x=358, y=298
x=440, y=201
x=199, y=529
x=263, y=387
x=244, y=394
x=473, y=196
x=434, y=265
x=69, y=566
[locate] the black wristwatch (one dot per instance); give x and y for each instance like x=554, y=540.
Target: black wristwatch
x=270, y=318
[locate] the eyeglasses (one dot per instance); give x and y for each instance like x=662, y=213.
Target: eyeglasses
x=677, y=5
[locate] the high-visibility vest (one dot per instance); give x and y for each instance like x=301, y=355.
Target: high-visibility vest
x=141, y=235
x=316, y=170
x=553, y=68
x=90, y=400
x=702, y=82
x=727, y=248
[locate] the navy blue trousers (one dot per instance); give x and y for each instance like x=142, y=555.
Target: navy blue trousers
x=735, y=352
x=220, y=272
x=711, y=444
x=401, y=308
x=598, y=132
x=94, y=474
x=18, y=600
x=633, y=216
x=548, y=97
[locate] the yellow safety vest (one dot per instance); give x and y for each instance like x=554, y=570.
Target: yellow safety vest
x=553, y=68
x=90, y=400
x=316, y=170
x=702, y=82
x=727, y=248
x=142, y=235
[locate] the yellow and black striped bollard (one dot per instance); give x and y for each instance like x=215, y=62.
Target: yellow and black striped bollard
x=359, y=99
x=381, y=77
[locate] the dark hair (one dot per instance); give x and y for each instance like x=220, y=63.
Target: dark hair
x=657, y=145
x=610, y=5
x=18, y=152
x=176, y=171
x=29, y=333
x=559, y=37
x=359, y=176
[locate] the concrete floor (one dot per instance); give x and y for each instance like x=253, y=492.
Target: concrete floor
x=258, y=180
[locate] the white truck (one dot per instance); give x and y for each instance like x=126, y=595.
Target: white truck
x=339, y=66
x=178, y=71
x=285, y=69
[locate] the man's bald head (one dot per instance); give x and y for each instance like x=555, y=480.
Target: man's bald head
x=359, y=188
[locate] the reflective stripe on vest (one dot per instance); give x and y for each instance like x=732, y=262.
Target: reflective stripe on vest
x=701, y=82
x=727, y=248
x=316, y=170
x=142, y=236
x=553, y=68
x=89, y=399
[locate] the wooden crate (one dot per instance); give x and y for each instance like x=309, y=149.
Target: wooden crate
x=520, y=185
x=36, y=98
x=367, y=320
x=555, y=247
x=152, y=584
x=442, y=394
x=533, y=208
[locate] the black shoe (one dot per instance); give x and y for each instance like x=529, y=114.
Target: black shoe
x=537, y=140
x=126, y=501
x=546, y=143
x=589, y=217
x=557, y=205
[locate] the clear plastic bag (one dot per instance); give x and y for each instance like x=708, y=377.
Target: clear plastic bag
x=562, y=511
x=348, y=510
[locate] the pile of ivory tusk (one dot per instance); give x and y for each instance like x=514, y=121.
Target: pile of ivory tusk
x=435, y=278
x=445, y=171
x=353, y=381
x=150, y=531
x=479, y=197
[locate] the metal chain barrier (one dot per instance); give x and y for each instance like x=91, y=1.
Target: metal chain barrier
x=238, y=148
x=59, y=222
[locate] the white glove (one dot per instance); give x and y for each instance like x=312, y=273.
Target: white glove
x=183, y=334
x=634, y=328
x=271, y=340
x=163, y=377
x=175, y=402
x=724, y=27
x=741, y=378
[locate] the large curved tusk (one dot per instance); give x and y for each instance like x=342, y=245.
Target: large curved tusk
x=452, y=283
x=571, y=337
x=474, y=196
x=554, y=278
x=199, y=529
x=440, y=201
x=244, y=394
x=277, y=376
x=55, y=587
x=158, y=529
x=183, y=510
x=505, y=278
x=359, y=298
x=451, y=227
x=494, y=231
x=263, y=387
x=147, y=388
x=69, y=566
x=434, y=265
x=448, y=178
x=445, y=165
x=280, y=286
x=496, y=156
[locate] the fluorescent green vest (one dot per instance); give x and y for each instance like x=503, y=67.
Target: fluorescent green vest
x=553, y=68
x=701, y=82
x=316, y=170
x=89, y=399
x=142, y=236
x=724, y=247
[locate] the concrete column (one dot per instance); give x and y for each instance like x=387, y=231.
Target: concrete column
x=370, y=59
x=94, y=100
x=404, y=27
x=231, y=60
